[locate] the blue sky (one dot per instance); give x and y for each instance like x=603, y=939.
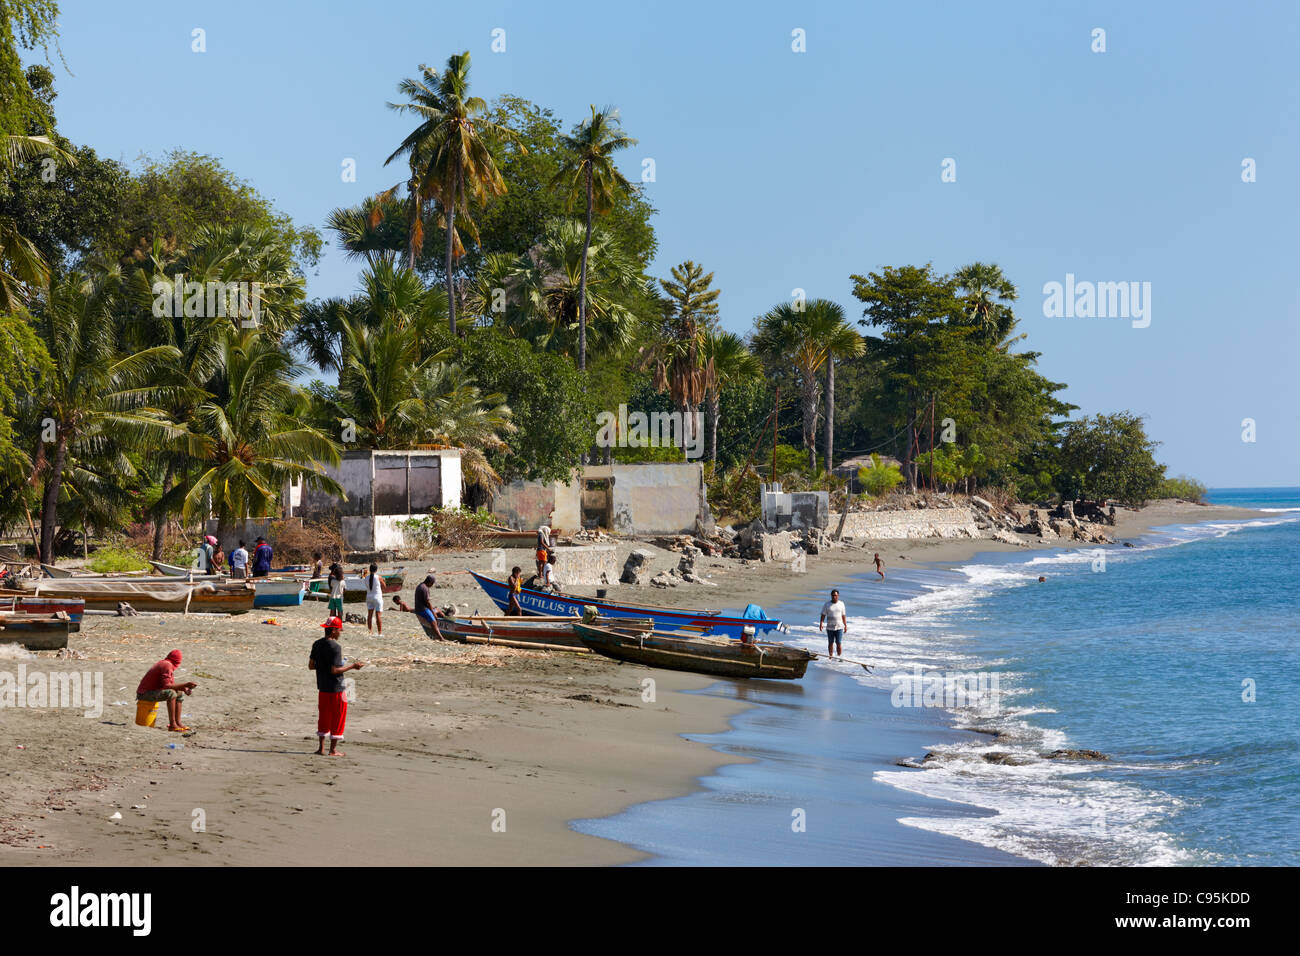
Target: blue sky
x=781, y=170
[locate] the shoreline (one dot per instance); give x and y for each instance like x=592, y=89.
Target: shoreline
x=444, y=736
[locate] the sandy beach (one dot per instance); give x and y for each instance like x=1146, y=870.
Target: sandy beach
x=456, y=754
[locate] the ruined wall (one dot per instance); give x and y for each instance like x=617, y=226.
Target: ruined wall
x=658, y=498
x=597, y=564
x=918, y=523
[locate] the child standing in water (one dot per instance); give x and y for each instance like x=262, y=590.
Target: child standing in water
x=880, y=566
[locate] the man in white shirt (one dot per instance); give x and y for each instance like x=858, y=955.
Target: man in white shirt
x=835, y=620
x=239, y=561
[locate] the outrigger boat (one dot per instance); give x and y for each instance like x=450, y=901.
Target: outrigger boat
x=104, y=594
x=544, y=603
x=36, y=632
x=716, y=656
x=554, y=633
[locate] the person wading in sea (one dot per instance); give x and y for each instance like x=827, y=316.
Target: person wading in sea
x=880, y=566
x=835, y=621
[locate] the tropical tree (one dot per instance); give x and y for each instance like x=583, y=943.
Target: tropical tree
x=457, y=413
x=986, y=296
x=249, y=444
x=550, y=285
x=21, y=264
x=732, y=364
x=449, y=159
x=809, y=336
x=94, y=397
x=588, y=173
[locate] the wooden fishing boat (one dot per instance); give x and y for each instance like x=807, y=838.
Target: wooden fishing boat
x=354, y=585
x=665, y=618
x=554, y=632
x=17, y=602
x=278, y=592
x=233, y=597
x=37, y=632
x=716, y=656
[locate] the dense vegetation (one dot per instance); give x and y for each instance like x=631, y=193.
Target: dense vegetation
x=503, y=301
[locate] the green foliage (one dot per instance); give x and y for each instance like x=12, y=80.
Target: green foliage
x=1189, y=489
x=112, y=560
x=1108, y=456
x=879, y=479
x=172, y=199
x=461, y=529
x=24, y=25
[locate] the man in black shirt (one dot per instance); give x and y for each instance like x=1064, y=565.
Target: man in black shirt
x=332, y=703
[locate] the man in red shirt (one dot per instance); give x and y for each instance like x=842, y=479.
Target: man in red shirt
x=159, y=684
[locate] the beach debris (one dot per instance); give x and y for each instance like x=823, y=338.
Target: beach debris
x=139, y=806
x=22, y=746
x=351, y=618
x=126, y=610
x=116, y=816
x=275, y=622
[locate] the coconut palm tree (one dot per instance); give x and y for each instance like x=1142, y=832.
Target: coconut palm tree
x=732, y=364
x=448, y=156
x=250, y=444
x=809, y=337
x=94, y=398
x=588, y=173
x=458, y=414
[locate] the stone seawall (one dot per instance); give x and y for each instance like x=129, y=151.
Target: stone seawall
x=917, y=523
x=595, y=564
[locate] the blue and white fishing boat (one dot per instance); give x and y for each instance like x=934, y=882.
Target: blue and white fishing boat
x=278, y=592
x=665, y=618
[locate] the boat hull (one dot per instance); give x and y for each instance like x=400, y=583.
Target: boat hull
x=18, y=603
x=277, y=593
x=151, y=596
x=668, y=619
x=354, y=586
x=700, y=655
x=36, y=632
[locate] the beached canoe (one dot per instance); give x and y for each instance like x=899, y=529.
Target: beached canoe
x=278, y=592
x=555, y=632
x=234, y=597
x=16, y=602
x=715, y=656
x=665, y=618
x=354, y=585
x=37, y=632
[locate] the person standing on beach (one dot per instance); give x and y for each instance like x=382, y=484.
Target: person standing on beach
x=159, y=684
x=544, y=546
x=880, y=566
x=332, y=703
x=375, y=600
x=515, y=587
x=261, y=558
x=335, y=606
x=239, y=562
x=835, y=620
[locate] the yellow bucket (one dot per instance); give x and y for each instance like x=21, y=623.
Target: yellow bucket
x=146, y=712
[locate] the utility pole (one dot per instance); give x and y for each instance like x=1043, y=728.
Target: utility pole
x=776, y=414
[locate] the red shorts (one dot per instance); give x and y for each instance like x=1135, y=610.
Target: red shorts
x=333, y=710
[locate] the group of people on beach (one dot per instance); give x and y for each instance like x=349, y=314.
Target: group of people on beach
x=210, y=559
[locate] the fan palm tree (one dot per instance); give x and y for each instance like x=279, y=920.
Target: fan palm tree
x=588, y=172
x=448, y=156
x=809, y=338
x=732, y=364
x=986, y=296
x=94, y=398
x=250, y=445
x=552, y=287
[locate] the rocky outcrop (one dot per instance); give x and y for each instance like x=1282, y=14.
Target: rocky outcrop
x=1076, y=755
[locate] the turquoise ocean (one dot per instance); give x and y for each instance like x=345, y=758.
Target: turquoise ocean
x=1177, y=658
